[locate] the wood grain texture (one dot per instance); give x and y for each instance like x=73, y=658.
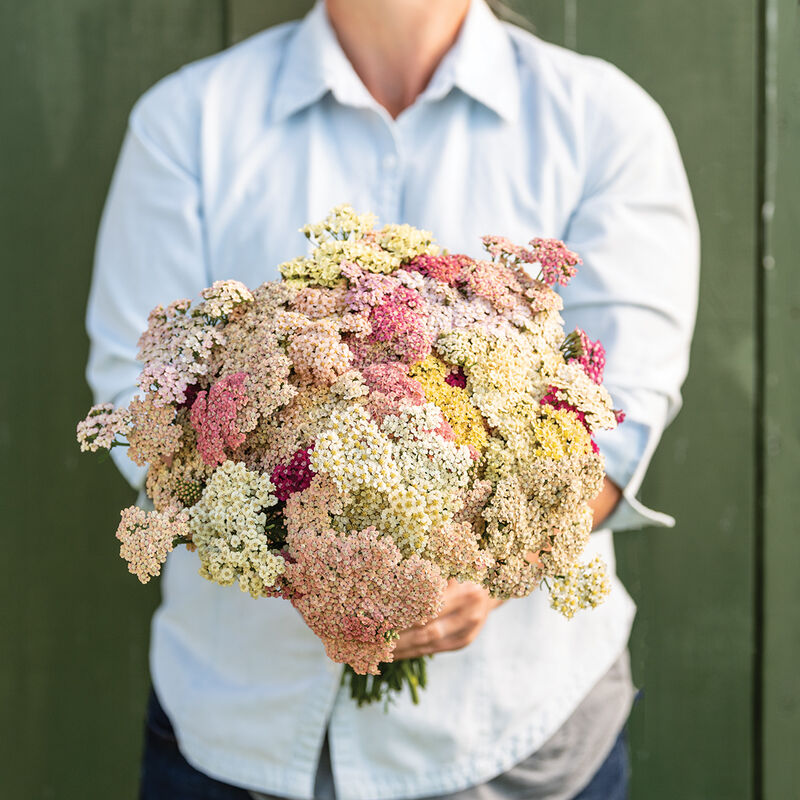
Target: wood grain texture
x=74, y=623
x=781, y=382
x=246, y=17
x=694, y=635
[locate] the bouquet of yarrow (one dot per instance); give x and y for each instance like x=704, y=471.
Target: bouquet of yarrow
x=385, y=418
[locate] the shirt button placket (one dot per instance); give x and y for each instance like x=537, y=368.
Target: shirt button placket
x=389, y=190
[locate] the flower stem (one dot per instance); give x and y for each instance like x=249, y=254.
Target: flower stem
x=394, y=675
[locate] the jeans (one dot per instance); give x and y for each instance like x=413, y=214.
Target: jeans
x=166, y=775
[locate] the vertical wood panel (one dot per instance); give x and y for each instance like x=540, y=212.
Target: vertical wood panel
x=781, y=374
x=246, y=17
x=693, y=640
x=74, y=624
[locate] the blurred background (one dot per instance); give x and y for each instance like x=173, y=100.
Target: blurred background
x=716, y=644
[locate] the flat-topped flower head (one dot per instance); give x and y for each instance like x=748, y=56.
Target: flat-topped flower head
x=146, y=538
x=215, y=417
x=222, y=298
x=557, y=262
x=341, y=223
x=101, y=427
x=229, y=530
x=444, y=268
x=355, y=590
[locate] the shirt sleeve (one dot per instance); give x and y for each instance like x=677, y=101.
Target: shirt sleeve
x=150, y=248
x=635, y=228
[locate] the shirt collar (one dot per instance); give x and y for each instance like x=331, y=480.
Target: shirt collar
x=482, y=64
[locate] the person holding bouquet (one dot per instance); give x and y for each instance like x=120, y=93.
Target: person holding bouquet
x=439, y=115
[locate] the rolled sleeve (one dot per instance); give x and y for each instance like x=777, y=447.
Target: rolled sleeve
x=636, y=230
x=150, y=247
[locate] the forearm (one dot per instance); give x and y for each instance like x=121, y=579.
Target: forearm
x=605, y=502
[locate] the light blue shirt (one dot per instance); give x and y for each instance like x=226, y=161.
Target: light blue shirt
x=223, y=161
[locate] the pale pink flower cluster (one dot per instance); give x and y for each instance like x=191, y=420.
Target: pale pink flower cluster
x=146, y=537
x=181, y=338
x=101, y=427
x=164, y=382
x=355, y=590
x=318, y=354
x=153, y=434
x=383, y=420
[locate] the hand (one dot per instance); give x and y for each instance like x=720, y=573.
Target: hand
x=466, y=606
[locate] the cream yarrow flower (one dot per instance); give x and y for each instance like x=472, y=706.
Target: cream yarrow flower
x=222, y=297
x=581, y=586
x=342, y=223
x=228, y=528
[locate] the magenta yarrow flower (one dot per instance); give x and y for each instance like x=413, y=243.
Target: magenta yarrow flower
x=592, y=356
x=457, y=378
x=293, y=477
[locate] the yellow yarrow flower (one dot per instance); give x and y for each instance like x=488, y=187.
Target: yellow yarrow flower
x=454, y=403
x=560, y=433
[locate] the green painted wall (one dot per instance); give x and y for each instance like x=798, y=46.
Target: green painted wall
x=717, y=637
x=73, y=625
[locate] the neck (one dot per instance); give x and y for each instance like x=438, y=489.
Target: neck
x=396, y=45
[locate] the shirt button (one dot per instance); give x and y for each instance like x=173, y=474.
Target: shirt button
x=389, y=161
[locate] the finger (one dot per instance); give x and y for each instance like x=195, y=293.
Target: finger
x=423, y=640
x=458, y=598
x=450, y=632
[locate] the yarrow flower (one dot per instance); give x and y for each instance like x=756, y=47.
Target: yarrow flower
x=398, y=322
x=445, y=268
x=294, y=476
x=223, y=297
x=101, y=426
x=147, y=538
x=590, y=355
x=228, y=528
x=153, y=434
x=164, y=382
x=215, y=416
x=558, y=263
x=355, y=590
x=580, y=587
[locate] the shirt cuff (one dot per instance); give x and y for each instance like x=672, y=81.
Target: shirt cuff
x=628, y=450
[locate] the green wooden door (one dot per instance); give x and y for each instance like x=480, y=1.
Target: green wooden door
x=73, y=653
x=717, y=638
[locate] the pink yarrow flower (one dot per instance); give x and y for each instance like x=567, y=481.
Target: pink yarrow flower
x=446, y=268
x=164, y=382
x=146, y=538
x=355, y=590
x=590, y=355
x=400, y=321
x=558, y=263
x=214, y=417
